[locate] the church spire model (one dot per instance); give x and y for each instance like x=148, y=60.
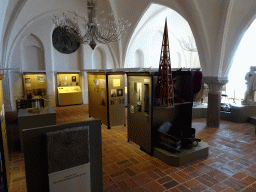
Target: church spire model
x=164, y=81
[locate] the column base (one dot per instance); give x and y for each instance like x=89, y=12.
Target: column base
x=214, y=99
x=213, y=110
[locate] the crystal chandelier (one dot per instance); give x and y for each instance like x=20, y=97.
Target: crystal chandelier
x=100, y=30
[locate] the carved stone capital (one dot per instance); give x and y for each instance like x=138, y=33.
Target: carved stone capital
x=215, y=83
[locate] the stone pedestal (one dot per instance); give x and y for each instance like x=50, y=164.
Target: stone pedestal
x=214, y=99
x=185, y=156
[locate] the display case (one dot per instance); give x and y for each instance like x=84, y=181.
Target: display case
x=66, y=79
x=145, y=115
x=69, y=95
x=35, y=85
x=107, y=97
x=68, y=88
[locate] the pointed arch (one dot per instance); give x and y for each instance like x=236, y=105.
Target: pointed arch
x=32, y=54
x=98, y=61
x=147, y=37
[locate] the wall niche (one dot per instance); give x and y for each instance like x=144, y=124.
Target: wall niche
x=32, y=54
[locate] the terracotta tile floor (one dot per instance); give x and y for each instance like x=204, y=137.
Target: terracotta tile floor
x=230, y=166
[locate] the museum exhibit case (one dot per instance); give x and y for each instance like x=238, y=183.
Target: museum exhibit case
x=106, y=92
x=49, y=164
x=35, y=84
x=4, y=155
x=145, y=115
x=35, y=91
x=68, y=88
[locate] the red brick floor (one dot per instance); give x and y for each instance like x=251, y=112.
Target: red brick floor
x=230, y=166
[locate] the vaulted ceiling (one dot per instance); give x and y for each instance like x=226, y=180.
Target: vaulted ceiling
x=217, y=25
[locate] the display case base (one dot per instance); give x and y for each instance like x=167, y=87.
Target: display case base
x=186, y=155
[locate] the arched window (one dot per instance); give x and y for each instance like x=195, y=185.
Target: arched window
x=98, y=59
x=139, y=59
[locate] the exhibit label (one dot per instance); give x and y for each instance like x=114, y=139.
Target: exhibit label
x=70, y=180
x=40, y=78
x=116, y=82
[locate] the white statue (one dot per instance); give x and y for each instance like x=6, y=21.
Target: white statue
x=250, y=77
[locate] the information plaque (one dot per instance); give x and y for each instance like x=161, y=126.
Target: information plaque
x=68, y=160
x=65, y=157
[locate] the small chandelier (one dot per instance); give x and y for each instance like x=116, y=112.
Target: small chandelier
x=106, y=30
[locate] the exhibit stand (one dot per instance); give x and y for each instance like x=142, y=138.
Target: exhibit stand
x=4, y=156
x=69, y=90
x=28, y=120
x=68, y=160
x=64, y=158
x=107, y=97
x=145, y=115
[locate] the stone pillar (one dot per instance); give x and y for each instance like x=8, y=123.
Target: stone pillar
x=215, y=85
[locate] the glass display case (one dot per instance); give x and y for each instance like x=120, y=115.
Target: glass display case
x=35, y=85
x=69, y=95
x=68, y=88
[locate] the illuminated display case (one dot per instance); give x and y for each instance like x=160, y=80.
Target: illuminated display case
x=106, y=92
x=68, y=79
x=69, y=90
x=69, y=95
x=35, y=85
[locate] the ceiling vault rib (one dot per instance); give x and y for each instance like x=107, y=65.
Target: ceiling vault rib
x=224, y=37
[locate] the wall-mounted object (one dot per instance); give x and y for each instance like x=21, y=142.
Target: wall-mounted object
x=63, y=42
x=106, y=97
